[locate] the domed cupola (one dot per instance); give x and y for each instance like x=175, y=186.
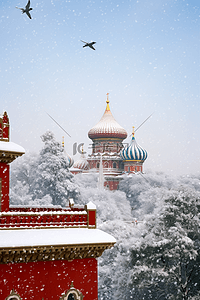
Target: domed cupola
x=82, y=163
x=133, y=151
x=107, y=127
x=70, y=160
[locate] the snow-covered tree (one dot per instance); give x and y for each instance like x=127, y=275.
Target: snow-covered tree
x=23, y=172
x=110, y=205
x=52, y=175
x=43, y=179
x=23, y=169
x=164, y=262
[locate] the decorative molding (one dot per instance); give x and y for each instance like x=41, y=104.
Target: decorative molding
x=13, y=296
x=0, y=192
x=138, y=161
x=49, y=253
x=45, y=219
x=76, y=293
x=8, y=157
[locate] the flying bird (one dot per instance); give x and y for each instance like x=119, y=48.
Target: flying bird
x=89, y=44
x=26, y=9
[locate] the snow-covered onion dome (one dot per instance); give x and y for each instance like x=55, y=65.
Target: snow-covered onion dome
x=107, y=127
x=82, y=163
x=133, y=151
x=70, y=160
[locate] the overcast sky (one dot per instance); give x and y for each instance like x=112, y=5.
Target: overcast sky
x=146, y=58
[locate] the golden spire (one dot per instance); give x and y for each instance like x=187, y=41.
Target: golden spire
x=107, y=101
x=133, y=133
x=63, y=143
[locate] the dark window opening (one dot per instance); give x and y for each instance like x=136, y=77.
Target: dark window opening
x=71, y=297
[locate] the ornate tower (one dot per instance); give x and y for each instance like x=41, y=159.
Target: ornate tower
x=133, y=156
x=8, y=152
x=107, y=137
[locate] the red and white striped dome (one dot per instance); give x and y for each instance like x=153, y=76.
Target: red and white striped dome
x=82, y=163
x=107, y=127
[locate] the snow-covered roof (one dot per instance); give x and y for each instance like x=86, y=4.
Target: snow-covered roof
x=53, y=237
x=11, y=147
x=107, y=127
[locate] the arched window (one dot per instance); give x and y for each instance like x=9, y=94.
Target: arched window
x=13, y=296
x=106, y=164
x=114, y=165
x=97, y=165
x=72, y=294
x=71, y=297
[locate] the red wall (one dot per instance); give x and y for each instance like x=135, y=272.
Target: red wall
x=113, y=184
x=133, y=168
x=4, y=175
x=50, y=279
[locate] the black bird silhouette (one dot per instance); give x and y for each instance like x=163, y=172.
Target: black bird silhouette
x=26, y=9
x=89, y=44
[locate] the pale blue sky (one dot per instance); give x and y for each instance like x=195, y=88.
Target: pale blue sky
x=147, y=58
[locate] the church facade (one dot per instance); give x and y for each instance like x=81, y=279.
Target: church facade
x=108, y=149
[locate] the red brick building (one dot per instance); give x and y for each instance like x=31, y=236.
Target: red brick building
x=46, y=253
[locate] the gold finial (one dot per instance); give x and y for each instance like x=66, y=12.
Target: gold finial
x=63, y=143
x=107, y=101
x=72, y=285
x=133, y=133
x=82, y=150
x=107, y=98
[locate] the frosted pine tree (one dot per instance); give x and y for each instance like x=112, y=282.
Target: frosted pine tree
x=23, y=172
x=165, y=262
x=52, y=176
